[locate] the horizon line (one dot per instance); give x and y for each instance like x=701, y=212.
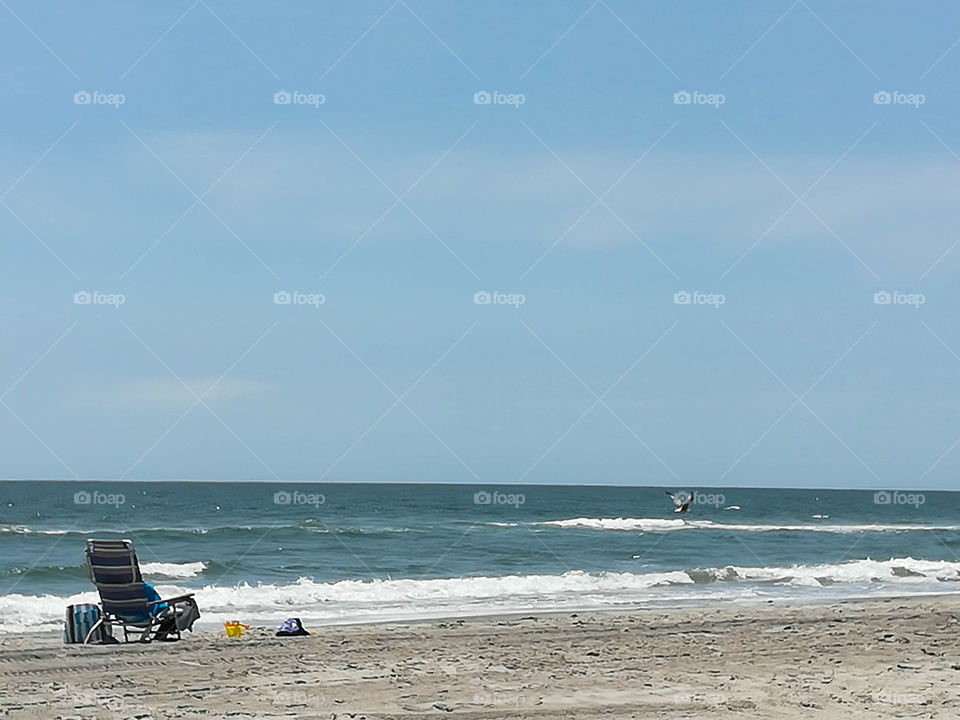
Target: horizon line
x=271, y=481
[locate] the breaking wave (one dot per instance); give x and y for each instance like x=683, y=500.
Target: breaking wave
x=672, y=524
x=401, y=599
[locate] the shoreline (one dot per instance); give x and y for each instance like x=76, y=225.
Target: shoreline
x=885, y=657
x=655, y=606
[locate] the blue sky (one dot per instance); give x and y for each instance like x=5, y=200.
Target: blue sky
x=398, y=198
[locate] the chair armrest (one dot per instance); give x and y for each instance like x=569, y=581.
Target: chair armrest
x=174, y=600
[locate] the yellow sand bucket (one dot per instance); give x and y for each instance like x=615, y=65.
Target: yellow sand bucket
x=234, y=628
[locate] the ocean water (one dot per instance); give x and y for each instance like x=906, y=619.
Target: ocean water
x=363, y=552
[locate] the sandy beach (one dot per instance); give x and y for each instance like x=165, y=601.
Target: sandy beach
x=857, y=659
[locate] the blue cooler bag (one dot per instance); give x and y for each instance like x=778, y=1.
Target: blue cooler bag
x=80, y=619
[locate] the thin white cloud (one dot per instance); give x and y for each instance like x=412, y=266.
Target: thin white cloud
x=166, y=393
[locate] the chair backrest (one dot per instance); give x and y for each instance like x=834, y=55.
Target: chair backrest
x=113, y=567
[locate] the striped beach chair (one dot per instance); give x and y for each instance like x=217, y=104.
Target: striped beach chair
x=126, y=600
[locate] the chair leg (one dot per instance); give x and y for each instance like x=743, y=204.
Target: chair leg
x=90, y=632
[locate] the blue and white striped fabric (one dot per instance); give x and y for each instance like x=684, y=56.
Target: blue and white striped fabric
x=80, y=619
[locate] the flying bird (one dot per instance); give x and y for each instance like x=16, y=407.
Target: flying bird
x=681, y=503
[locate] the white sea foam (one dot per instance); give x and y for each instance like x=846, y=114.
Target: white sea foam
x=19, y=613
x=26, y=530
x=377, y=600
x=668, y=525
x=172, y=570
x=899, y=571
x=644, y=524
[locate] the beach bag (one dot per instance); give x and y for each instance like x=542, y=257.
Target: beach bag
x=291, y=627
x=79, y=621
